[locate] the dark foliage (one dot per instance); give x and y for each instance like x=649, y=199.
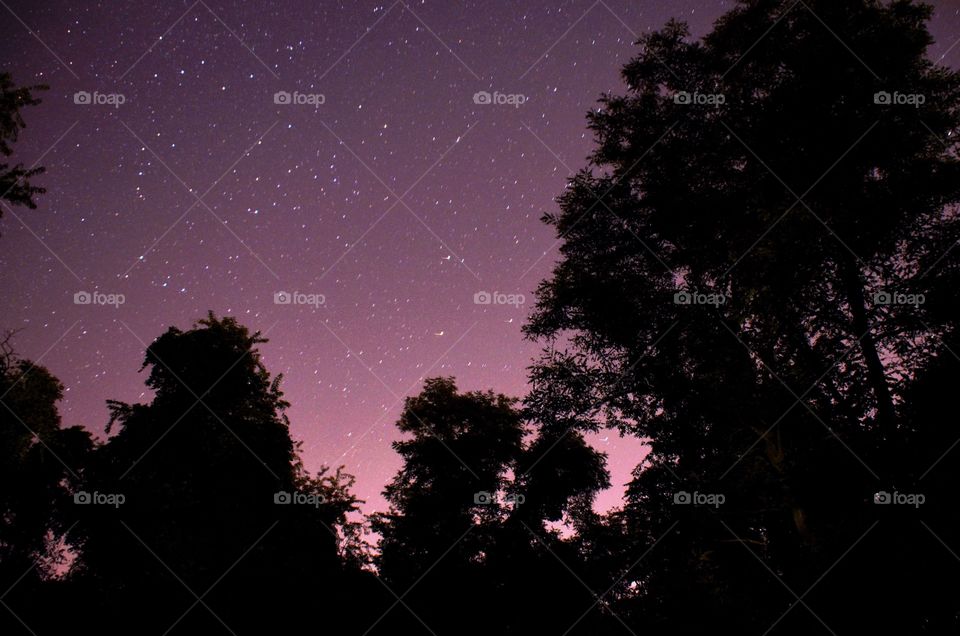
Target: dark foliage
x=15, y=186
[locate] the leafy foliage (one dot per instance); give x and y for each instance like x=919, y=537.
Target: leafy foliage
x=15, y=186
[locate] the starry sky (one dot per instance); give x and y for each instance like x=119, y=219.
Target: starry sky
x=211, y=154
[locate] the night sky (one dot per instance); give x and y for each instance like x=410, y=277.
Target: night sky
x=394, y=201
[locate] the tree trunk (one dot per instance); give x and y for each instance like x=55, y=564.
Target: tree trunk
x=876, y=374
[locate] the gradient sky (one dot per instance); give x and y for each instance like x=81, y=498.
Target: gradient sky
x=303, y=197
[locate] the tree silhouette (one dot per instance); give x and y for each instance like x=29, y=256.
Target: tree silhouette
x=214, y=497
x=15, y=187
x=447, y=502
x=739, y=282
x=468, y=532
x=39, y=461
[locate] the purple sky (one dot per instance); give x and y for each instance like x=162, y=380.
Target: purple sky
x=303, y=197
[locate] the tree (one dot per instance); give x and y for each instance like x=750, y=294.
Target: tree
x=470, y=531
x=39, y=466
x=15, y=186
x=447, y=503
x=739, y=283
x=214, y=498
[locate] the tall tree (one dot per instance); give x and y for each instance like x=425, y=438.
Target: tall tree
x=214, y=497
x=448, y=501
x=741, y=281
